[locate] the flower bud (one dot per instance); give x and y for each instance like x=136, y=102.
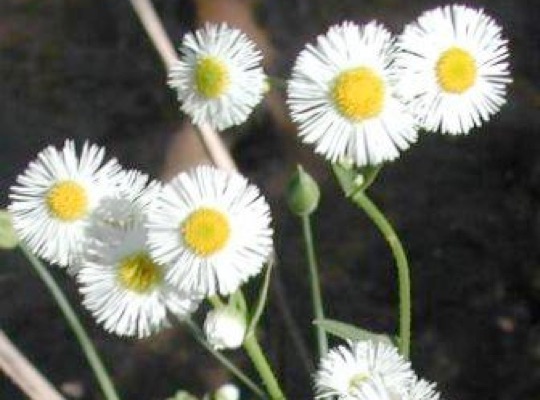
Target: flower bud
x=302, y=193
x=225, y=328
x=227, y=392
x=8, y=237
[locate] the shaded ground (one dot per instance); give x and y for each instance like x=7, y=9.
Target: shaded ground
x=467, y=208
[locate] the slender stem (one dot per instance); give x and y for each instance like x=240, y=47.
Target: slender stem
x=215, y=147
x=254, y=351
x=155, y=30
x=198, y=335
x=316, y=296
x=402, y=264
x=84, y=341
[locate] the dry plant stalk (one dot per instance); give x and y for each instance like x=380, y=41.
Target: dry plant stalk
x=24, y=374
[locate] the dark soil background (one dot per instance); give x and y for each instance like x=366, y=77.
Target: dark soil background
x=467, y=208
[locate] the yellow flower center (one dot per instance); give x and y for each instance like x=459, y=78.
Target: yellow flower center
x=67, y=201
x=456, y=70
x=206, y=231
x=358, y=93
x=357, y=381
x=211, y=77
x=139, y=273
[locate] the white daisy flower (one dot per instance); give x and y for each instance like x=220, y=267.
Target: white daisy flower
x=219, y=78
x=55, y=196
x=126, y=205
x=342, y=96
x=345, y=371
x=454, y=68
x=225, y=328
x=213, y=230
x=124, y=287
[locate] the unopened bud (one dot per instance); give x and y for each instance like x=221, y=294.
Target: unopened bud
x=302, y=193
x=225, y=328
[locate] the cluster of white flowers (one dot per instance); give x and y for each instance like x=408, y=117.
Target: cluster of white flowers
x=368, y=370
x=141, y=251
x=358, y=94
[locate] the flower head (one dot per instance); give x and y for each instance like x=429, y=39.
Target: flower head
x=361, y=369
x=341, y=94
x=124, y=287
x=225, y=328
x=454, y=70
x=219, y=78
x=212, y=229
x=55, y=196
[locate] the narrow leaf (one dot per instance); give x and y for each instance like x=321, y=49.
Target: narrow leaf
x=351, y=332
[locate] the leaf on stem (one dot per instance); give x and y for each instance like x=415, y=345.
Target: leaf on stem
x=351, y=332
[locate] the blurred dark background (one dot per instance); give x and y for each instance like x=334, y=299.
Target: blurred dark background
x=467, y=208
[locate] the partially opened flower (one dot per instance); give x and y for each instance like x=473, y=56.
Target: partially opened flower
x=341, y=95
x=212, y=229
x=219, y=78
x=225, y=328
x=453, y=68
x=361, y=368
x=124, y=287
x=55, y=196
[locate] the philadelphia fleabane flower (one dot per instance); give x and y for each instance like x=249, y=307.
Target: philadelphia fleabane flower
x=55, y=196
x=124, y=287
x=128, y=203
x=212, y=229
x=342, y=97
x=218, y=78
x=454, y=70
x=361, y=368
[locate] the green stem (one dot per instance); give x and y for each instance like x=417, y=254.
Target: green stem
x=84, y=341
x=198, y=335
x=391, y=237
x=254, y=351
x=316, y=296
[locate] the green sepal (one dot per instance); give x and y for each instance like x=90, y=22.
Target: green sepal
x=302, y=193
x=237, y=302
x=352, y=179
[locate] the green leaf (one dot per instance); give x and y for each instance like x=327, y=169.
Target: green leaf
x=237, y=302
x=263, y=297
x=351, y=332
x=8, y=237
